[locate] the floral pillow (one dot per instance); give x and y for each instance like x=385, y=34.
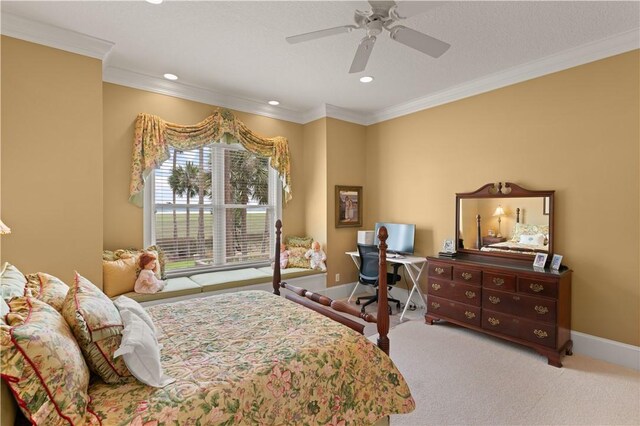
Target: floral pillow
x=43, y=365
x=47, y=288
x=297, y=247
x=12, y=282
x=96, y=323
x=109, y=255
x=526, y=229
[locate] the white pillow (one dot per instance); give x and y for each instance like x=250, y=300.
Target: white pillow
x=536, y=240
x=124, y=303
x=4, y=308
x=140, y=351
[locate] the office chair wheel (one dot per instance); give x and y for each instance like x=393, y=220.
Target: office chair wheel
x=390, y=311
x=357, y=301
x=362, y=310
x=398, y=305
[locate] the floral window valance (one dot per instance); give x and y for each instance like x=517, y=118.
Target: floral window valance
x=153, y=137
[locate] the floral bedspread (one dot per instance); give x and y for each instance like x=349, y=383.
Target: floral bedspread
x=255, y=358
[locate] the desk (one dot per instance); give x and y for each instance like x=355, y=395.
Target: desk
x=414, y=266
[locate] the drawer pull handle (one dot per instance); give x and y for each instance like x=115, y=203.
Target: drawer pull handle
x=536, y=287
x=435, y=286
x=493, y=299
x=467, y=276
x=469, y=315
x=470, y=294
x=435, y=305
x=493, y=321
x=498, y=281
x=541, y=309
x=540, y=333
x=439, y=271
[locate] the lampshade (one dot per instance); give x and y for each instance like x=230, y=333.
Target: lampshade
x=4, y=229
x=499, y=211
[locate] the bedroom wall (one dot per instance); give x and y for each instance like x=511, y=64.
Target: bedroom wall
x=51, y=160
x=314, y=180
x=575, y=131
x=123, y=222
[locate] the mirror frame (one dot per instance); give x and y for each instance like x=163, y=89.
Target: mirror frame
x=506, y=190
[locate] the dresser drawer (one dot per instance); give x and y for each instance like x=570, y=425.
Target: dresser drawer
x=534, y=308
x=503, y=282
x=467, y=275
x=454, y=310
x=538, y=287
x=440, y=270
x=464, y=293
x=540, y=333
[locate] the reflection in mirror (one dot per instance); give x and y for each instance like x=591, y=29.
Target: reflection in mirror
x=507, y=225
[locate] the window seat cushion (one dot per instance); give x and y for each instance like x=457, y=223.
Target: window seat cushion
x=175, y=287
x=223, y=280
x=291, y=272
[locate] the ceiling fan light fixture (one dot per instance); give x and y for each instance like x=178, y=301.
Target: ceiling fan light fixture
x=366, y=79
x=154, y=1
x=274, y=103
x=169, y=76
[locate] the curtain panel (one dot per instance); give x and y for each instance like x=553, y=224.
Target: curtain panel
x=153, y=136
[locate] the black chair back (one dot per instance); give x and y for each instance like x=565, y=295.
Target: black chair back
x=369, y=269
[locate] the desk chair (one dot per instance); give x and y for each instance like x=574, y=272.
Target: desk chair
x=369, y=273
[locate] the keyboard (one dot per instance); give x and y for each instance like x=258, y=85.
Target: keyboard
x=394, y=256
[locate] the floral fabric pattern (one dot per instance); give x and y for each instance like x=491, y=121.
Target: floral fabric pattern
x=526, y=229
x=42, y=364
x=49, y=289
x=297, y=247
x=12, y=282
x=153, y=136
x=257, y=359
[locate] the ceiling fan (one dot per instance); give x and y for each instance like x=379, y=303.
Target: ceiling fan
x=382, y=16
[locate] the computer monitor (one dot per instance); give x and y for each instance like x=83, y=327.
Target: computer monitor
x=401, y=237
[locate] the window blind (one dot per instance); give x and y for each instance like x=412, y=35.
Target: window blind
x=214, y=208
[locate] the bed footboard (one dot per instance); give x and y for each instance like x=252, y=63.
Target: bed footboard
x=330, y=308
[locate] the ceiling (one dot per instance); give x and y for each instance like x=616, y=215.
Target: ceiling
x=234, y=53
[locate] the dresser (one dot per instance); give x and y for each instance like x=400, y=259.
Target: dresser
x=506, y=298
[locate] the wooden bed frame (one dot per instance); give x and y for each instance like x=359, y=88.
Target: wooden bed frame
x=479, y=231
x=328, y=307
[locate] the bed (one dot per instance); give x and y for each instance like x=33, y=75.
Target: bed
x=526, y=239
x=261, y=359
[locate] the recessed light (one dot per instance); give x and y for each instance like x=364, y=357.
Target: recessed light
x=154, y=1
x=274, y=103
x=366, y=79
x=170, y=76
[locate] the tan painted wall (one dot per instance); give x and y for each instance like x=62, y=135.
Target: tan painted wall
x=575, y=131
x=315, y=181
x=346, y=152
x=123, y=222
x=51, y=160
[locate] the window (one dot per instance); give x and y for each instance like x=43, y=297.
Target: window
x=213, y=208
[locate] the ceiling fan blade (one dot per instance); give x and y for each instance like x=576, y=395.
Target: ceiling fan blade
x=405, y=9
x=321, y=33
x=419, y=41
x=381, y=6
x=362, y=54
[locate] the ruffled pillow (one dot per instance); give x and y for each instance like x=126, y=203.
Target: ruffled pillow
x=12, y=282
x=96, y=323
x=43, y=365
x=47, y=288
x=297, y=247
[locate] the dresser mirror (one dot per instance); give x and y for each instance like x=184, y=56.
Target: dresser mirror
x=505, y=220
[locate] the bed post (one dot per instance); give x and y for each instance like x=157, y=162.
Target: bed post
x=383, y=303
x=276, y=264
x=518, y=215
x=479, y=233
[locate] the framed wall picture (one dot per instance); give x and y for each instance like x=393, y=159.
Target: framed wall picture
x=540, y=260
x=348, y=206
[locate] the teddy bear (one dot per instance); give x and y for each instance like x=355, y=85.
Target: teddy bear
x=317, y=257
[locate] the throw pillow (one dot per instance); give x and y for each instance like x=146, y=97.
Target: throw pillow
x=47, y=288
x=97, y=326
x=124, y=303
x=141, y=352
x=297, y=247
x=43, y=365
x=119, y=276
x=12, y=282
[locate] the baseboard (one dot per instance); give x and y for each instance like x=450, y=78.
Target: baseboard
x=606, y=350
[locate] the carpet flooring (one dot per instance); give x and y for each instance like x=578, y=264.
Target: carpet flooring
x=461, y=377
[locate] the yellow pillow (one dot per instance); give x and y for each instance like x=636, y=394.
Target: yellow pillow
x=119, y=276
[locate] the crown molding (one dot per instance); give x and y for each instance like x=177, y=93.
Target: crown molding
x=332, y=111
x=590, y=52
x=56, y=37
x=199, y=94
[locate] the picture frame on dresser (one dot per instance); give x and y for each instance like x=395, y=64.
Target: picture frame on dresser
x=556, y=262
x=540, y=260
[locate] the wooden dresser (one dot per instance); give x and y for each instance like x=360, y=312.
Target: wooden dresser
x=505, y=298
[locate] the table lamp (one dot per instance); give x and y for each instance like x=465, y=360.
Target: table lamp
x=499, y=212
x=4, y=229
